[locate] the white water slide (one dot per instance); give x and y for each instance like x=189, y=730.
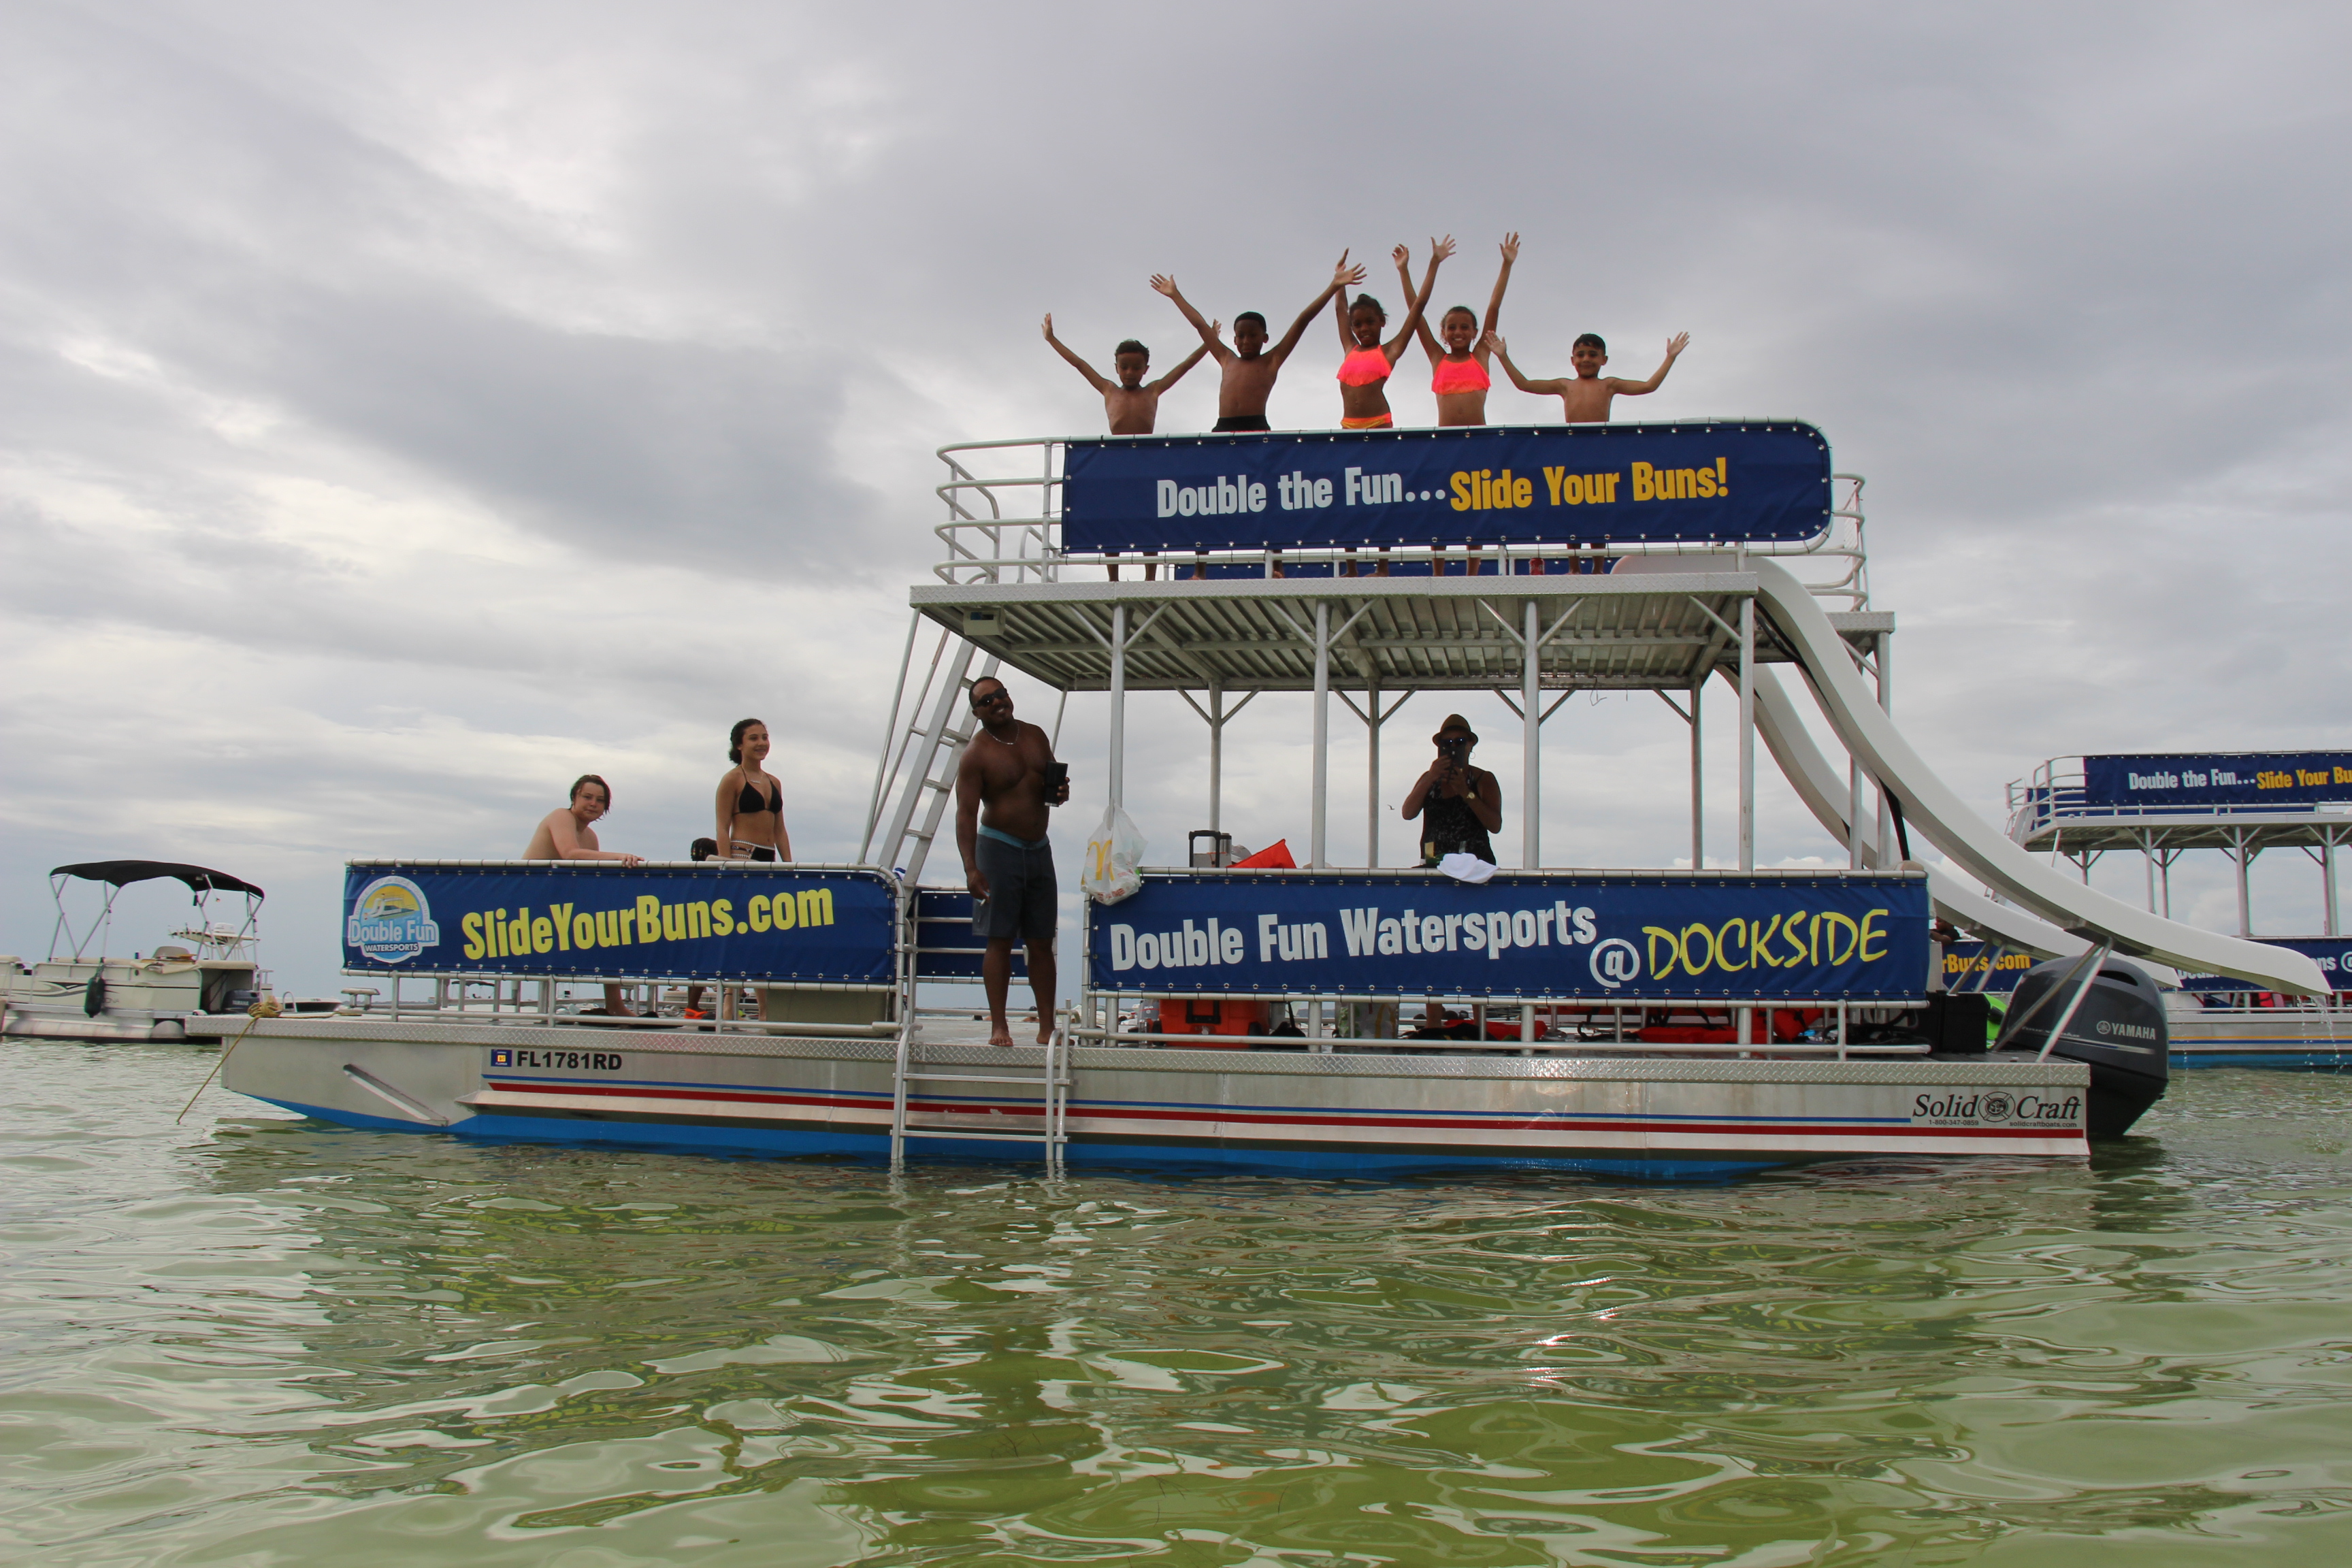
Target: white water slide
x=1936, y=815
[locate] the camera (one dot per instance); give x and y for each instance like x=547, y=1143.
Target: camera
x=1454, y=748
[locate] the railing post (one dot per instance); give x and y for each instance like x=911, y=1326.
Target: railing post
x=1119, y=706
x=1698, y=788
x=1216, y=750
x=1322, y=730
x=1748, y=733
x=1531, y=763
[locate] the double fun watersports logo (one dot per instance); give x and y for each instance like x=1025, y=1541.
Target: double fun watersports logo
x=391, y=922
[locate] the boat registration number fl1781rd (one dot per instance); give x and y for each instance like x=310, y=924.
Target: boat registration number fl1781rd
x=562, y=1061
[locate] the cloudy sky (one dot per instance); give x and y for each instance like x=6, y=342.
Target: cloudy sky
x=406, y=409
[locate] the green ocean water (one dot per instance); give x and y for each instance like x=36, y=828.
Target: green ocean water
x=256, y=1340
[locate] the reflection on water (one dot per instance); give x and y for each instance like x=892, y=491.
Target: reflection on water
x=262, y=1341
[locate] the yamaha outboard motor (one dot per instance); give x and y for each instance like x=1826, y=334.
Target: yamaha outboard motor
x=2118, y=1030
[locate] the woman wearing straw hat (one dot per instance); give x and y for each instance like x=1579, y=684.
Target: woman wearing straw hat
x=1464, y=803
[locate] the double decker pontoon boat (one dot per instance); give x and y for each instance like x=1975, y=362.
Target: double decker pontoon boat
x=1654, y=1022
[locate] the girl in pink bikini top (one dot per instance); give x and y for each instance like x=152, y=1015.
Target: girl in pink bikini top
x=1364, y=373
x=1458, y=372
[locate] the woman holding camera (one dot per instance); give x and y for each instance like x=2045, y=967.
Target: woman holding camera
x=1464, y=803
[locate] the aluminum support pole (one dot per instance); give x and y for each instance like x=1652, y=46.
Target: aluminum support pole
x=1119, y=706
x=1748, y=733
x=1699, y=786
x=2245, y=906
x=1531, y=763
x=2327, y=883
x=1885, y=705
x=1372, y=777
x=1216, y=751
x=2147, y=852
x=1322, y=731
x=1852, y=816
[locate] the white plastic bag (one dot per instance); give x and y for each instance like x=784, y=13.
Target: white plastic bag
x=1112, y=856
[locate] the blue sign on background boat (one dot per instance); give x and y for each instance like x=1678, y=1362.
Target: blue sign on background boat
x=735, y=920
x=1488, y=484
x=2217, y=778
x=1522, y=934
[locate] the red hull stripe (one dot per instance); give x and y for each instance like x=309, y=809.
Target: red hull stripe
x=1484, y=1123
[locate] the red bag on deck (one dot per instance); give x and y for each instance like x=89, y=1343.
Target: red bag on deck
x=1274, y=857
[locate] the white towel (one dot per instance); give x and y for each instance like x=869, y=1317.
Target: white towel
x=1465, y=868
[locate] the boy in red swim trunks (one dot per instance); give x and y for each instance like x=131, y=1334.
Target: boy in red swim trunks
x=1249, y=366
x=1584, y=397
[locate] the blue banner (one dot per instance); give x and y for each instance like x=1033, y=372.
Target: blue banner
x=1971, y=966
x=1525, y=933
x=1584, y=484
x=2332, y=953
x=2216, y=778
x=1964, y=965
x=599, y=920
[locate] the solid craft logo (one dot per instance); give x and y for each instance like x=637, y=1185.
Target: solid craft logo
x=391, y=922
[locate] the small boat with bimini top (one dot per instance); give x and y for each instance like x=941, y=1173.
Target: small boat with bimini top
x=209, y=967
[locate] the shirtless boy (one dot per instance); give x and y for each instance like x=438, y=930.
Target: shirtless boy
x=1132, y=406
x=1008, y=861
x=1584, y=397
x=566, y=835
x=1249, y=365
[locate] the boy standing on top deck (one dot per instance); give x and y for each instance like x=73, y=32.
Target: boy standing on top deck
x=1585, y=398
x=1132, y=407
x=1249, y=366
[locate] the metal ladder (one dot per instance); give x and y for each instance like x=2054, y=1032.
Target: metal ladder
x=923, y=755
x=1052, y=1077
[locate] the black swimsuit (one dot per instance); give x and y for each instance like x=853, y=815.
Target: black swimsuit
x=751, y=800
x=1449, y=826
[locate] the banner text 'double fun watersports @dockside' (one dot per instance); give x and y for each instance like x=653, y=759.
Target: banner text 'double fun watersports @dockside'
x=1624, y=935
x=718, y=920
x=1584, y=484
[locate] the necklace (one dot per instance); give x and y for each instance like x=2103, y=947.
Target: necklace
x=1000, y=740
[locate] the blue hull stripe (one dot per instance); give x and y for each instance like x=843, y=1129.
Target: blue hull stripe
x=876, y=1146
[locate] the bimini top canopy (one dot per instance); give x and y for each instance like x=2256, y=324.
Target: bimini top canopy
x=122, y=873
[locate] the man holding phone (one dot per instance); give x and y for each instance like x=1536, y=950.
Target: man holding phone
x=1464, y=803
x=1008, y=772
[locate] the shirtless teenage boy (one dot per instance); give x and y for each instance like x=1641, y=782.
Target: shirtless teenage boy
x=1584, y=397
x=565, y=833
x=1249, y=365
x=1132, y=406
x=1008, y=860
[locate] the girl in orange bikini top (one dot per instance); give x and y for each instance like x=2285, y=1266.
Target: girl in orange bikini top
x=1458, y=372
x=1364, y=373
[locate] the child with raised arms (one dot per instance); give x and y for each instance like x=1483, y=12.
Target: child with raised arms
x=1585, y=398
x=1364, y=373
x=1249, y=366
x=1458, y=372
x=1132, y=405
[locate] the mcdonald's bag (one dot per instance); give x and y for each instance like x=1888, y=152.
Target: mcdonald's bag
x=1112, y=856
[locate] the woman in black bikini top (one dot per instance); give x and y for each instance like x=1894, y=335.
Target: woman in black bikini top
x=750, y=801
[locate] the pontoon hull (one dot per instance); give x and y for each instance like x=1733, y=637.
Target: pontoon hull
x=1329, y=1115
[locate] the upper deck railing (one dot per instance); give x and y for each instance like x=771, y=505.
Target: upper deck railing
x=2159, y=789
x=1006, y=504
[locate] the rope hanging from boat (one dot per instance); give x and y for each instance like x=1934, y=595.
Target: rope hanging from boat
x=267, y=1008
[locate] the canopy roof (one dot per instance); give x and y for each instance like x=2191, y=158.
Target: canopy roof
x=123, y=872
